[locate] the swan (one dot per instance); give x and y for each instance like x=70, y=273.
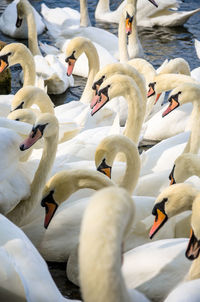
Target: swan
x=56, y=18
x=18, y=53
x=138, y=270
x=187, y=93
x=118, y=104
x=84, y=144
x=19, y=281
x=127, y=30
x=185, y=166
x=46, y=126
x=49, y=67
x=186, y=291
x=8, y=22
x=171, y=201
x=165, y=82
x=29, y=95
x=165, y=14
x=119, y=218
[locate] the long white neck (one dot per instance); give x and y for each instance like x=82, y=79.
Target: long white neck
x=103, y=241
x=41, y=175
x=32, y=31
x=194, y=271
x=93, y=62
x=103, y=6
x=85, y=20
x=194, y=140
x=136, y=112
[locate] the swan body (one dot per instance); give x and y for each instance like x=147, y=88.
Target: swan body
x=49, y=67
x=26, y=282
x=165, y=14
x=8, y=21
x=186, y=291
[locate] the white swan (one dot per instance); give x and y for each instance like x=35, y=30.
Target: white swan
x=108, y=247
x=49, y=67
x=29, y=95
x=19, y=281
x=118, y=104
x=186, y=291
x=8, y=22
x=138, y=270
x=46, y=126
x=165, y=82
x=165, y=14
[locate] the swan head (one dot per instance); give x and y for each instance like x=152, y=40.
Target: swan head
x=45, y=126
x=74, y=49
x=193, y=248
x=115, y=85
x=12, y=54
x=170, y=202
x=22, y=6
x=23, y=115
x=184, y=167
x=129, y=13
x=182, y=94
x=57, y=190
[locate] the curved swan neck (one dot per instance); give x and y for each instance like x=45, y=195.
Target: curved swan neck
x=95, y=181
x=178, y=65
x=102, y=279
x=32, y=30
x=33, y=95
x=93, y=62
x=25, y=206
x=133, y=164
x=85, y=20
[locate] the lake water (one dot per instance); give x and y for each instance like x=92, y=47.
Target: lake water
x=159, y=43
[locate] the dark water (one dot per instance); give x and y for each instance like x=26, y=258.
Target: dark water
x=159, y=43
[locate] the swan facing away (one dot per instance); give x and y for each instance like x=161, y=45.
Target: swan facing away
x=110, y=229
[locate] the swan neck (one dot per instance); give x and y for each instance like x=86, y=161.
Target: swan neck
x=194, y=272
x=93, y=62
x=93, y=182
x=122, y=41
x=103, y=278
x=103, y=6
x=85, y=20
x=44, y=103
x=21, y=211
x=194, y=140
x=28, y=66
x=32, y=33
x=136, y=112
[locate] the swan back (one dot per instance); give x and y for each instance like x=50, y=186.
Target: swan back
x=177, y=65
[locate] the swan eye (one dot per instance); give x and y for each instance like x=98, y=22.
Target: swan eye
x=160, y=206
x=72, y=57
x=98, y=83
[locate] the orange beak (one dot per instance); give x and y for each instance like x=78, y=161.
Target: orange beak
x=50, y=211
x=101, y=102
x=160, y=219
x=157, y=97
x=71, y=63
x=106, y=171
x=104, y=168
x=3, y=65
x=171, y=107
x=128, y=26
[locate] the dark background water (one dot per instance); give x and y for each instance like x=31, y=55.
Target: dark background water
x=159, y=43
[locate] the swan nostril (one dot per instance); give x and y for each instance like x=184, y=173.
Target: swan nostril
x=22, y=147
